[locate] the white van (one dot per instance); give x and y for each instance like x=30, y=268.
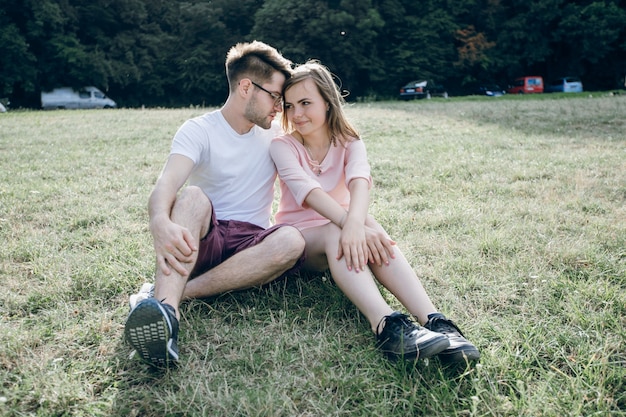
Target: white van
x=68, y=98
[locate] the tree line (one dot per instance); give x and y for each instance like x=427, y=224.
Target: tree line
x=171, y=52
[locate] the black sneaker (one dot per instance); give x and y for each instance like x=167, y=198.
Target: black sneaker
x=461, y=349
x=403, y=338
x=152, y=330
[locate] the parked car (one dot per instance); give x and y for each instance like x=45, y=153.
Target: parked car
x=489, y=90
x=68, y=98
x=422, y=89
x=564, y=85
x=526, y=85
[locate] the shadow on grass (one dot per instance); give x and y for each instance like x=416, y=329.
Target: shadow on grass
x=294, y=346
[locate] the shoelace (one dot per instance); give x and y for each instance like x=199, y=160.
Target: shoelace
x=398, y=320
x=445, y=326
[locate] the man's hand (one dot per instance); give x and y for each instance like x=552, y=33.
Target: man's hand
x=174, y=246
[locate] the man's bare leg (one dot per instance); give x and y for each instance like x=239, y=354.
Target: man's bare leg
x=255, y=266
x=192, y=210
x=150, y=328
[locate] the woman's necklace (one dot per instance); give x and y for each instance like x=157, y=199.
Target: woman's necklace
x=314, y=163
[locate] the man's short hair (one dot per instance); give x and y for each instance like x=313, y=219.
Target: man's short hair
x=255, y=60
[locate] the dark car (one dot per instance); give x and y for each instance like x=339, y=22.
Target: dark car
x=490, y=90
x=422, y=89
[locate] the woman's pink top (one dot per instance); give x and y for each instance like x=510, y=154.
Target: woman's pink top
x=341, y=164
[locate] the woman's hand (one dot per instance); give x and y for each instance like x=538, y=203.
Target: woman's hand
x=380, y=246
x=353, y=245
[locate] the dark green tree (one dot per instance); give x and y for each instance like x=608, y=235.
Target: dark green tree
x=591, y=39
x=341, y=34
x=475, y=40
x=131, y=42
x=417, y=42
x=524, y=42
x=17, y=66
x=208, y=29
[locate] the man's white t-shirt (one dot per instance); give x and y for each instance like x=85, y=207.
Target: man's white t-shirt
x=235, y=171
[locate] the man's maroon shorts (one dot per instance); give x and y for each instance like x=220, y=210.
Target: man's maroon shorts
x=226, y=238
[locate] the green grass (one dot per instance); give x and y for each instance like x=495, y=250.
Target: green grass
x=511, y=210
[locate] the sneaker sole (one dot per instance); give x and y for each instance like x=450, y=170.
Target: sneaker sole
x=148, y=332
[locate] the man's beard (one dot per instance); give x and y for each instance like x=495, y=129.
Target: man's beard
x=253, y=115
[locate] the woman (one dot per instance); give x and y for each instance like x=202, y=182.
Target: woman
x=325, y=181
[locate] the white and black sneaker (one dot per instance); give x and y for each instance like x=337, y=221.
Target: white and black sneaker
x=146, y=291
x=152, y=330
x=403, y=338
x=461, y=349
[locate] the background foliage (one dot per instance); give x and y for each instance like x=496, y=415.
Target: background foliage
x=171, y=53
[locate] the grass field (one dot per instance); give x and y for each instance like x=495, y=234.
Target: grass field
x=511, y=210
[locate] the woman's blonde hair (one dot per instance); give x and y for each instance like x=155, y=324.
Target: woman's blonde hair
x=339, y=128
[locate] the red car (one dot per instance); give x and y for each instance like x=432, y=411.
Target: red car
x=526, y=85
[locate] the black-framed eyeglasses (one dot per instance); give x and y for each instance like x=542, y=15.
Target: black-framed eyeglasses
x=278, y=99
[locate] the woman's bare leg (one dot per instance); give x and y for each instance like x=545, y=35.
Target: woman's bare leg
x=321, y=248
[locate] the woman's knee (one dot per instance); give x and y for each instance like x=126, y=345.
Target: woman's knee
x=332, y=229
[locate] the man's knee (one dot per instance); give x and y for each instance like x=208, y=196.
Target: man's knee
x=192, y=209
x=192, y=198
x=291, y=243
x=193, y=192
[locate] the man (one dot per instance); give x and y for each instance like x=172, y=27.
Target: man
x=215, y=235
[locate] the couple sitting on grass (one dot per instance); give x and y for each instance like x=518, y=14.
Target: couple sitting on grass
x=215, y=235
